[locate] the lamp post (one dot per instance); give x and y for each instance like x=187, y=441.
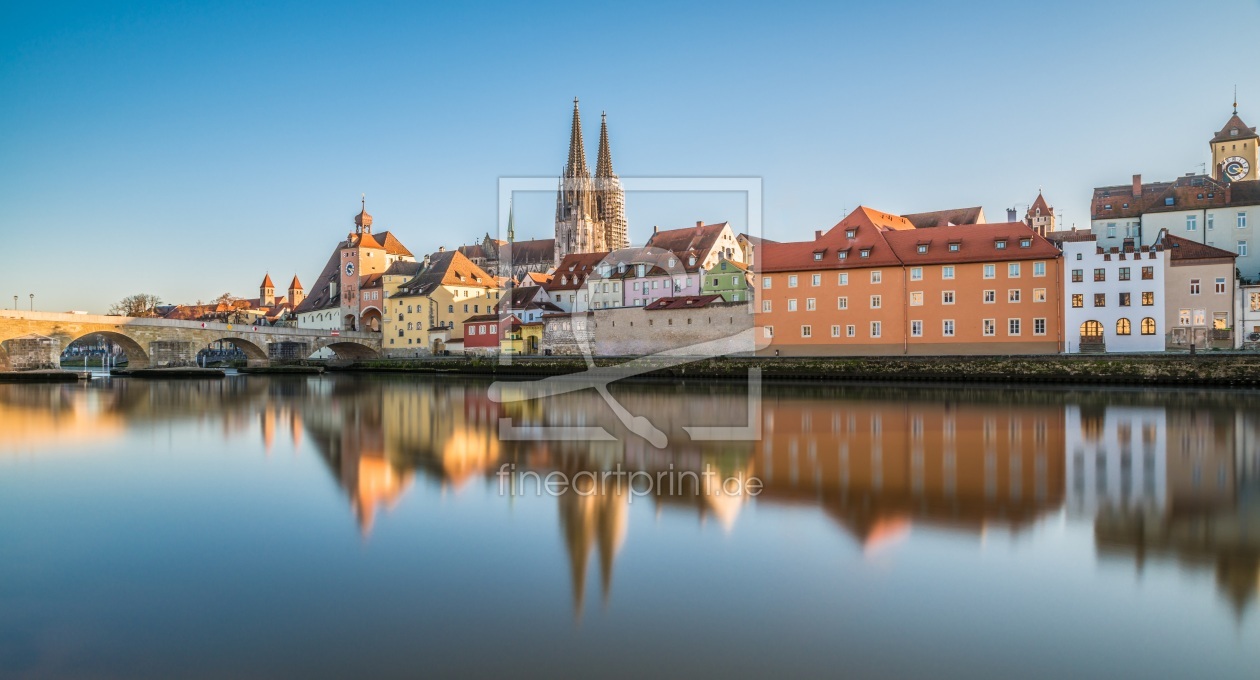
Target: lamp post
x=32, y=302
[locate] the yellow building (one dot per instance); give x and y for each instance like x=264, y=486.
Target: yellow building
x=427, y=313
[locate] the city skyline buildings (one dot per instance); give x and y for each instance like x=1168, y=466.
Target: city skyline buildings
x=209, y=136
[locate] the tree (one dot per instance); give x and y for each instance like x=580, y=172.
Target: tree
x=140, y=304
x=225, y=299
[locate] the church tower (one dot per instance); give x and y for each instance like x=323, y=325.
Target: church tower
x=577, y=214
x=610, y=197
x=1234, y=153
x=267, y=292
x=1040, y=216
x=296, y=293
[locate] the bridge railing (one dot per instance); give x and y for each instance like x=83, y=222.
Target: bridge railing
x=103, y=319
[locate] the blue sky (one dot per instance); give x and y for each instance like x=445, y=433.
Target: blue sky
x=184, y=149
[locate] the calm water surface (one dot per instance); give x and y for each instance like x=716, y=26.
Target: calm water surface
x=351, y=526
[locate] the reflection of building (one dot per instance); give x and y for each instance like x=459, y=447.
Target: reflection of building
x=1116, y=458
x=596, y=521
x=879, y=466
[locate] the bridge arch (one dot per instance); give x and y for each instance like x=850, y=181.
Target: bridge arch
x=348, y=350
x=254, y=355
x=137, y=355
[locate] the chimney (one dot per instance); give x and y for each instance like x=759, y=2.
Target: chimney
x=426, y=261
x=655, y=229
x=441, y=249
x=1010, y=215
x=699, y=223
x=817, y=234
x=1137, y=186
x=1229, y=192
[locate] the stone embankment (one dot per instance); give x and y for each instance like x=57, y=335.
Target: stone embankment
x=1221, y=370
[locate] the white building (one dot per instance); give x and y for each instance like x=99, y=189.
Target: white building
x=1113, y=299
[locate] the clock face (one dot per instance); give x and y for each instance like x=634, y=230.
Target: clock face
x=1236, y=168
x=349, y=269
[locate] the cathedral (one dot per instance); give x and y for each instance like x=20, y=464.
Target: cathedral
x=590, y=212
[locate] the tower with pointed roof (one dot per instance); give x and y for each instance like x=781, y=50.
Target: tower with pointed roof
x=296, y=293
x=267, y=292
x=1040, y=216
x=610, y=197
x=1234, y=150
x=590, y=212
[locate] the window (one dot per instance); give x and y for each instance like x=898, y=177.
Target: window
x=875, y=302
x=1242, y=249
x=916, y=273
x=1192, y=222
x=1194, y=286
x=769, y=331
x=953, y=247
x=494, y=328
x=850, y=233
x=1220, y=284
x=876, y=329
x=916, y=298
x=1100, y=299
x=1211, y=222
x=842, y=303
x=1124, y=273
x=810, y=305
x=1200, y=317
x=1242, y=220
x=835, y=331
x=1000, y=244
x=1148, y=298
x=1148, y=326
x=1111, y=231
x=877, y=276
x=947, y=297
x=1183, y=318
x=1148, y=273
x=850, y=331
x=1012, y=326
x=865, y=252
x=1078, y=275
x=843, y=254
x=1091, y=329
x=990, y=296
x=990, y=327
x=1100, y=274
x=1012, y=270
x=1039, y=326
x=1078, y=300
x=1012, y=295
x=1123, y=327
x=1124, y=299
x=791, y=281
x=818, y=256
x=947, y=272
x=765, y=282
x=990, y=271
x=792, y=305
x=806, y=332
x=947, y=328
x=1039, y=294
x=1025, y=243
x=843, y=280
x=765, y=306
x=1254, y=299
x=816, y=280
x=922, y=248
x=1039, y=269
x=916, y=329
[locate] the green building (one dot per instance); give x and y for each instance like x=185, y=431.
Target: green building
x=728, y=279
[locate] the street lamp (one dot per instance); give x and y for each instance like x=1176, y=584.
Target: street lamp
x=32, y=302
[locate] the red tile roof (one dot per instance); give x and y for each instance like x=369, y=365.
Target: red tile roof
x=267, y=282
x=976, y=243
x=700, y=239
x=869, y=227
x=1181, y=249
x=392, y=245
x=686, y=302
x=1234, y=124
x=573, y=269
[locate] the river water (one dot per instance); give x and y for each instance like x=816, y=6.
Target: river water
x=344, y=526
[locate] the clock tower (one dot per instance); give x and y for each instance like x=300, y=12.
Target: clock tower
x=1234, y=153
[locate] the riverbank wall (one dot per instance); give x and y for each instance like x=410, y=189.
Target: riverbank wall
x=1240, y=370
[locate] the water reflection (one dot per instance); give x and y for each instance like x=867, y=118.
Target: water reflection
x=1162, y=476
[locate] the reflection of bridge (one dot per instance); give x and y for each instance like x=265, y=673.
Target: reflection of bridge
x=30, y=340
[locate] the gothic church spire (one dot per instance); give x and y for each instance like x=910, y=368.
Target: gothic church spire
x=577, y=152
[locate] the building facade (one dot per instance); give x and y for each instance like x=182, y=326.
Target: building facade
x=426, y=315
x=1114, y=299
x=730, y=279
x=1200, y=291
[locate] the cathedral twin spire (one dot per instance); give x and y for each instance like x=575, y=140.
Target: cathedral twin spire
x=590, y=212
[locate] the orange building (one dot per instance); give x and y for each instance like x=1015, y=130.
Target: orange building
x=875, y=285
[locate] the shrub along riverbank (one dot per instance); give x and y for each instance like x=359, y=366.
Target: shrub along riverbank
x=1158, y=369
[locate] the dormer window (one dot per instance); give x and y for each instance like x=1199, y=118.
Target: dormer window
x=1025, y=242
x=1000, y=244
x=1168, y=201
x=865, y=252
x=691, y=261
x=850, y=233
x=922, y=248
x=1107, y=207
x=818, y=256
x=621, y=267
x=953, y=247
x=843, y=254
x=672, y=262
x=1233, y=132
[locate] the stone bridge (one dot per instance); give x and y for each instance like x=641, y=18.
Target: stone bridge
x=32, y=340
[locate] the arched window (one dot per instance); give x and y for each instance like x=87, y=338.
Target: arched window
x=1148, y=326
x=409, y=327
x=1091, y=329
x=1123, y=327
x=450, y=309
